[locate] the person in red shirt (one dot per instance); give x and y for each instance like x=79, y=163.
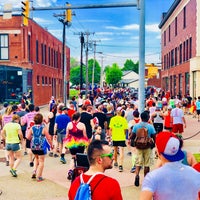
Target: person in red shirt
x=102, y=187
x=168, y=119
x=71, y=110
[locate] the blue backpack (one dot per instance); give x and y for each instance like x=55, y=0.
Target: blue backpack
x=38, y=139
x=84, y=191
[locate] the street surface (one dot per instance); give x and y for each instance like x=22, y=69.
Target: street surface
x=56, y=185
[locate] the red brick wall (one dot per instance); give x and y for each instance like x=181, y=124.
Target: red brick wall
x=182, y=35
x=18, y=56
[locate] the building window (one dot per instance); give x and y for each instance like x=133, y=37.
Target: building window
x=190, y=48
x=49, y=56
x=187, y=49
x=169, y=33
x=4, y=47
x=184, y=17
x=29, y=48
x=180, y=53
x=42, y=53
x=49, y=81
x=187, y=83
x=176, y=25
x=165, y=38
x=172, y=57
x=184, y=51
x=169, y=60
x=176, y=56
x=180, y=84
x=38, y=80
x=164, y=67
x=174, y=84
x=37, y=51
x=46, y=81
x=45, y=54
x=43, y=80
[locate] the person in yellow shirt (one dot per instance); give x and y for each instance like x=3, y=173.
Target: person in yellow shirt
x=13, y=136
x=118, y=126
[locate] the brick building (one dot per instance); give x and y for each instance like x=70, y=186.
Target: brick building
x=30, y=60
x=181, y=48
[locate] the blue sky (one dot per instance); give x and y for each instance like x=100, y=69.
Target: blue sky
x=116, y=29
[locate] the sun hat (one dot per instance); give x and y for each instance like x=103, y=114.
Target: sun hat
x=169, y=146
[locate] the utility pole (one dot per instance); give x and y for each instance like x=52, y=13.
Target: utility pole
x=101, y=78
x=142, y=56
x=81, y=62
x=86, y=52
x=93, y=69
x=65, y=19
x=87, y=34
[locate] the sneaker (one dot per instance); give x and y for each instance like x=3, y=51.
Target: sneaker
x=40, y=179
x=62, y=160
x=129, y=153
x=13, y=172
x=137, y=180
x=70, y=173
x=31, y=164
x=34, y=175
x=133, y=169
x=55, y=155
x=7, y=163
x=51, y=154
x=120, y=168
x=116, y=164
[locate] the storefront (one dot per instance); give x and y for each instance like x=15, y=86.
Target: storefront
x=14, y=81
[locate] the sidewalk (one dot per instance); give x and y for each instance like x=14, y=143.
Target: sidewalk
x=56, y=185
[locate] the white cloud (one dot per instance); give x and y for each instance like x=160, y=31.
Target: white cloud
x=149, y=27
x=126, y=27
x=104, y=33
x=42, y=20
x=152, y=28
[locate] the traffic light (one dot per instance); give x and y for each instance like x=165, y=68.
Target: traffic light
x=68, y=14
x=25, y=12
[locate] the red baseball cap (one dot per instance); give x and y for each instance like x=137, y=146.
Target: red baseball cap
x=169, y=146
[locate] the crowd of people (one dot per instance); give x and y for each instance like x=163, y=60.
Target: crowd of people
x=103, y=126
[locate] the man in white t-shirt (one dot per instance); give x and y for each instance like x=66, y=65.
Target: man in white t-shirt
x=178, y=119
x=173, y=180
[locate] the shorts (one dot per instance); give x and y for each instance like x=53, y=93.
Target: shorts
x=28, y=144
x=177, y=128
x=60, y=138
x=144, y=157
x=168, y=128
x=127, y=134
x=24, y=134
x=13, y=147
x=38, y=152
x=119, y=143
x=198, y=112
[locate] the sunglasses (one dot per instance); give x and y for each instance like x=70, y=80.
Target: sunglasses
x=110, y=155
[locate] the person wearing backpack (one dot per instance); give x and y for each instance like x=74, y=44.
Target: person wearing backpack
x=93, y=184
x=144, y=154
x=39, y=136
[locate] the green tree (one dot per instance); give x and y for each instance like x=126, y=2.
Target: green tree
x=113, y=74
x=75, y=75
x=130, y=65
x=74, y=63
